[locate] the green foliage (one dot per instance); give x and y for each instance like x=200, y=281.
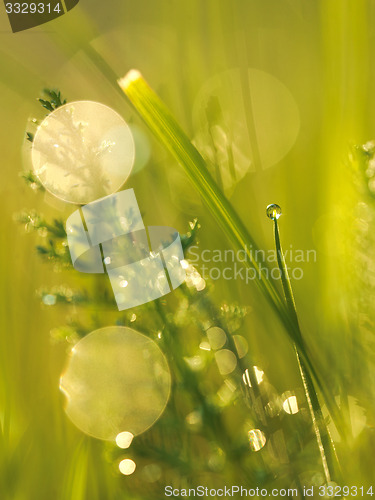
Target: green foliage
x=202, y=436
x=195, y=421
x=35, y=222
x=190, y=238
x=164, y=126
x=31, y=179
x=53, y=101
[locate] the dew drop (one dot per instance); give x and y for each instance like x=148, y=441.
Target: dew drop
x=273, y=211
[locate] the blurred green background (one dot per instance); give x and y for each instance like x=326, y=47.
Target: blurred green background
x=322, y=53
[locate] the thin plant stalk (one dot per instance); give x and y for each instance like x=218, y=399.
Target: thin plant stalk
x=326, y=447
x=164, y=126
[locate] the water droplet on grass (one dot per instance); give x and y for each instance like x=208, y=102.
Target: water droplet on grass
x=273, y=211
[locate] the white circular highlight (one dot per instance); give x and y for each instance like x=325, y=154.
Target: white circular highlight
x=124, y=440
x=127, y=466
x=83, y=151
x=116, y=379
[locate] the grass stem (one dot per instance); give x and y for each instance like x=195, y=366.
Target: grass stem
x=326, y=447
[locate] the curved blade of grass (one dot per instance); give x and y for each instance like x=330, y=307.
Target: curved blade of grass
x=164, y=126
x=326, y=447
x=161, y=122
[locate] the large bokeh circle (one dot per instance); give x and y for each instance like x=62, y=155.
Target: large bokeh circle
x=117, y=380
x=83, y=151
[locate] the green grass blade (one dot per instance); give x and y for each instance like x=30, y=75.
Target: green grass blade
x=326, y=447
x=166, y=129
x=164, y=126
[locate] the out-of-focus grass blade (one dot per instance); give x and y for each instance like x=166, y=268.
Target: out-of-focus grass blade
x=76, y=480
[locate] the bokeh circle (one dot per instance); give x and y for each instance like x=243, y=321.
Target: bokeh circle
x=83, y=151
x=117, y=380
x=244, y=121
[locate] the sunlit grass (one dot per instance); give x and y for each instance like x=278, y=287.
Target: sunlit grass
x=321, y=51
